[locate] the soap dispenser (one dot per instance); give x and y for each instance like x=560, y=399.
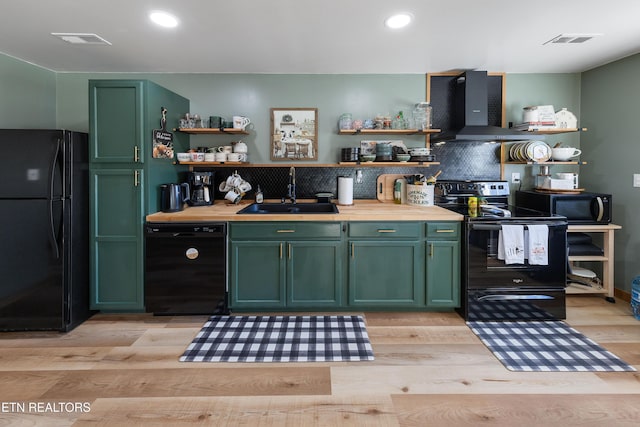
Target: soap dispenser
x=259, y=196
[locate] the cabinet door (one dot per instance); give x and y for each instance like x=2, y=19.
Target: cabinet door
x=117, y=122
x=385, y=273
x=117, y=280
x=257, y=274
x=314, y=271
x=443, y=273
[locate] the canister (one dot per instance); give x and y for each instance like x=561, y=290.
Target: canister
x=473, y=206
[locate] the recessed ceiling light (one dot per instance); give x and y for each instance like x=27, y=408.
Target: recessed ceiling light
x=398, y=21
x=163, y=19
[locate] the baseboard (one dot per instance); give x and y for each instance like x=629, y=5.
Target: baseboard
x=623, y=295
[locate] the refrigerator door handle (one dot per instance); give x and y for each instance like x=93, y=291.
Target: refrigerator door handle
x=52, y=170
x=53, y=238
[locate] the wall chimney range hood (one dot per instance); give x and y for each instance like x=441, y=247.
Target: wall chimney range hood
x=470, y=113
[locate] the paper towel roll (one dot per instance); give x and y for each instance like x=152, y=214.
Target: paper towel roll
x=345, y=190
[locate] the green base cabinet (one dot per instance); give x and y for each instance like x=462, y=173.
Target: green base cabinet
x=385, y=264
x=400, y=265
x=443, y=264
x=257, y=275
x=314, y=274
x=125, y=179
x=267, y=271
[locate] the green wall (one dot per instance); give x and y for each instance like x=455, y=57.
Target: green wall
x=610, y=104
x=27, y=95
x=253, y=95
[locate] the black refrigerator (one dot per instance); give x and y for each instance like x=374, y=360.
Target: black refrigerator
x=44, y=230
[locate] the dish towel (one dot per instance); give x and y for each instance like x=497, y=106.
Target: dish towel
x=537, y=247
x=511, y=244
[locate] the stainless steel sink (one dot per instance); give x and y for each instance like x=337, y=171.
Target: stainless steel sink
x=290, y=208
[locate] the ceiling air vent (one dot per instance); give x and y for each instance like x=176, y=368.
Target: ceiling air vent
x=571, y=38
x=81, y=38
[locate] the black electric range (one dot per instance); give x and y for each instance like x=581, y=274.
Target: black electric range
x=491, y=289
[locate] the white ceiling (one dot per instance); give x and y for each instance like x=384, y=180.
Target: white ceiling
x=321, y=36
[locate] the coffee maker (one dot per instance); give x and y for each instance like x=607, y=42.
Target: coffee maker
x=201, y=184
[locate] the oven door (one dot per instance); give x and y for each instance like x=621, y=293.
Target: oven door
x=515, y=304
x=485, y=271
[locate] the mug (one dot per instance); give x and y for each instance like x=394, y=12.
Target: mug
x=242, y=157
x=232, y=196
x=197, y=157
x=225, y=149
x=227, y=124
x=234, y=181
x=240, y=122
x=564, y=153
x=233, y=157
x=216, y=121
x=220, y=157
x=244, y=187
x=209, y=157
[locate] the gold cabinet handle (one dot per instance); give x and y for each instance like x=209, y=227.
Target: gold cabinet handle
x=280, y=250
x=353, y=250
x=446, y=230
x=289, y=251
x=136, y=154
x=136, y=178
x=431, y=250
x=386, y=230
x=285, y=231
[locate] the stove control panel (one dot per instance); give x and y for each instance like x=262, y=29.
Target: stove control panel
x=497, y=188
x=472, y=188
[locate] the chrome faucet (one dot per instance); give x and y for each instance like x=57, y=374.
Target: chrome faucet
x=291, y=188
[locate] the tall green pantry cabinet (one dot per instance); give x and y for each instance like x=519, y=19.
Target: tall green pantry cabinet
x=125, y=180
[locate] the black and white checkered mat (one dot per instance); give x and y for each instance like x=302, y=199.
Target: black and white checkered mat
x=280, y=339
x=545, y=346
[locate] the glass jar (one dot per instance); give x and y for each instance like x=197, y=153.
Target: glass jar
x=422, y=115
x=345, y=122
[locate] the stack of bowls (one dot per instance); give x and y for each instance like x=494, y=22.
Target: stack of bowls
x=350, y=154
x=383, y=152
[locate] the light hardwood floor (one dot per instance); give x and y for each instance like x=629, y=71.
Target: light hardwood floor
x=429, y=370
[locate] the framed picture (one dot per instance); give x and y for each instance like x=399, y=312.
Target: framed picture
x=294, y=134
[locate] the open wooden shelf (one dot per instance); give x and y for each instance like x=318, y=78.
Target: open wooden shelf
x=553, y=131
x=214, y=163
x=213, y=131
x=375, y=164
x=550, y=163
x=388, y=131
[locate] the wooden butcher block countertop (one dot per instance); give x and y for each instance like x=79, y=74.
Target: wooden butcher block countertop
x=361, y=210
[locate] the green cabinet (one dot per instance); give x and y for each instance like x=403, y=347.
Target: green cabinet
x=390, y=265
x=125, y=181
x=285, y=265
x=385, y=264
x=443, y=264
x=116, y=239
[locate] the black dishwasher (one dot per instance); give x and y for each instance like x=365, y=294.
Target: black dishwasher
x=185, y=268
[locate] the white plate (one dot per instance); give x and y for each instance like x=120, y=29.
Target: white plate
x=538, y=151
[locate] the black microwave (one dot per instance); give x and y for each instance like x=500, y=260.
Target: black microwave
x=582, y=208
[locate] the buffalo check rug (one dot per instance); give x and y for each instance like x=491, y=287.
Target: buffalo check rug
x=280, y=339
x=545, y=346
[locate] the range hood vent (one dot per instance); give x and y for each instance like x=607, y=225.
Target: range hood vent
x=470, y=113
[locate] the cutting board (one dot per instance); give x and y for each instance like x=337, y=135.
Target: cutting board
x=384, y=186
